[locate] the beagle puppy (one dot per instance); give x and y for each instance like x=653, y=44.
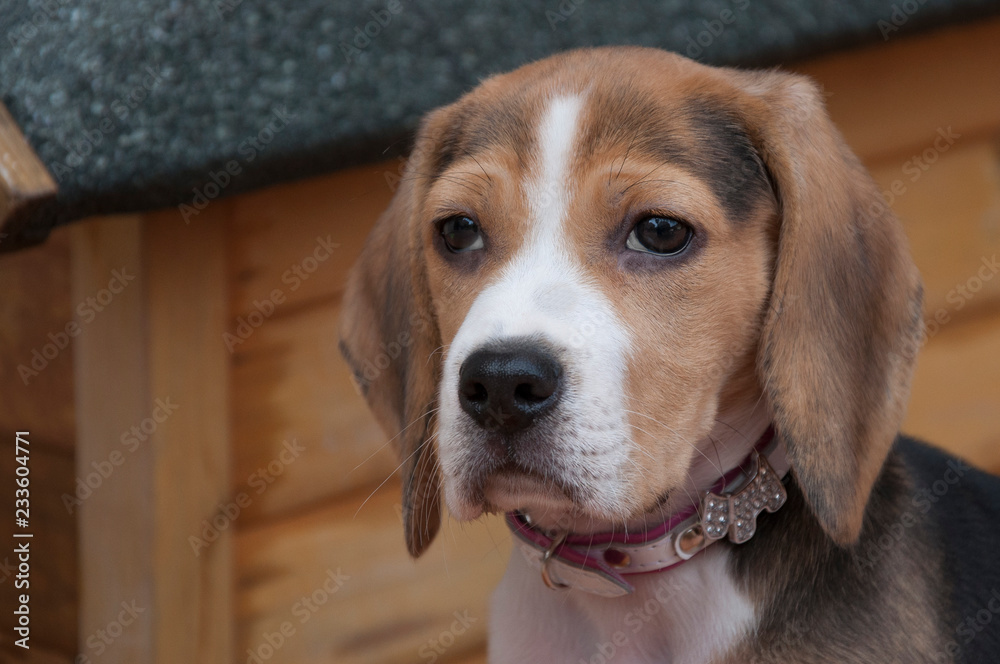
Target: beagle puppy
x=658, y=314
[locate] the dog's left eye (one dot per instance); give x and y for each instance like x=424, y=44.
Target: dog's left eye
x=663, y=236
x=461, y=234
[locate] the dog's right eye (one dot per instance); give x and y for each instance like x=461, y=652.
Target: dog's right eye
x=659, y=235
x=461, y=233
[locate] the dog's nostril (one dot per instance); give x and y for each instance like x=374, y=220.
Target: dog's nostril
x=534, y=392
x=475, y=392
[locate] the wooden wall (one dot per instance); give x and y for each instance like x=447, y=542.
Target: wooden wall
x=321, y=573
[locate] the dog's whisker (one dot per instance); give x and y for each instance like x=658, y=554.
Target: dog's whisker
x=395, y=470
x=383, y=445
x=640, y=448
x=641, y=180
x=682, y=486
x=635, y=134
x=715, y=446
x=738, y=432
x=436, y=350
x=680, y=437
x=451, y=178
x=473, y=157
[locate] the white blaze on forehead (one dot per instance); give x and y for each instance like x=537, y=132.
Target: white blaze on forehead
x=544, y=293
x=549, y=194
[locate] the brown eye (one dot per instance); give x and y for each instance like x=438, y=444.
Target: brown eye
x=662, y=236
x=461, y=234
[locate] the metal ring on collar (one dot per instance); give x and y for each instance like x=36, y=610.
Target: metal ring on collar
x=547, y=556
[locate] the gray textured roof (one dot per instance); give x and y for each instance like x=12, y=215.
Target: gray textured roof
x=131, y=105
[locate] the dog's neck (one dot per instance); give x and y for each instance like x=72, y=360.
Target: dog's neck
x=736, y=431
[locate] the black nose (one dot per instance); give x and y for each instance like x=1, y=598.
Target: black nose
x=506, y=388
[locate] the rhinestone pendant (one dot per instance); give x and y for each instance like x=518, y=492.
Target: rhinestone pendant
x=735, y=514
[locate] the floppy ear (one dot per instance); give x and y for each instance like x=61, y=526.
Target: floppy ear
x=389, y=335
x=844, y=323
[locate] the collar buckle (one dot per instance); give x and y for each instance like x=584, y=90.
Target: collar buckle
x=547, y=558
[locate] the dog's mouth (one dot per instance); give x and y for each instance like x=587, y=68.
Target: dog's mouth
x=546, y=477
x=514, y=486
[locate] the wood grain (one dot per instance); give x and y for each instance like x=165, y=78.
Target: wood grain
x=889, y=99
x=951, y=213
x=390, y=609
x=156, y=342
x=186, y=268
x=289, y=382
x=955, y=397
x=36, y=353
x=112, y=394
x=275, y=231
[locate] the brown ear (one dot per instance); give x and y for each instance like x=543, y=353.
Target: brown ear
x=389, y=335
x=844, y=323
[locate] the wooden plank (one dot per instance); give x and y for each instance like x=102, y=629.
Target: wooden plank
x=289, y=382
x=25, y=183
x=956, y=392
x=951, y=212
x=888, y=99
x=188, y=301
x=388, y=608
x=151, y=360
x=36, y=356
x=275, y=232
x=112, y=394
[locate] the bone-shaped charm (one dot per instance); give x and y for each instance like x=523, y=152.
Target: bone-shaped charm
x=736, y=513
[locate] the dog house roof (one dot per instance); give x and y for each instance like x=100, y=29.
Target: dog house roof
x=135, y=105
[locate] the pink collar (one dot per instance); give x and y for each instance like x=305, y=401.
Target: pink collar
x=598, y=563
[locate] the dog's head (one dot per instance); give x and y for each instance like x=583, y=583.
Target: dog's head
x=591, y=256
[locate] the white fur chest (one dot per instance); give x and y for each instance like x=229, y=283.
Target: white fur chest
x=691, y=614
